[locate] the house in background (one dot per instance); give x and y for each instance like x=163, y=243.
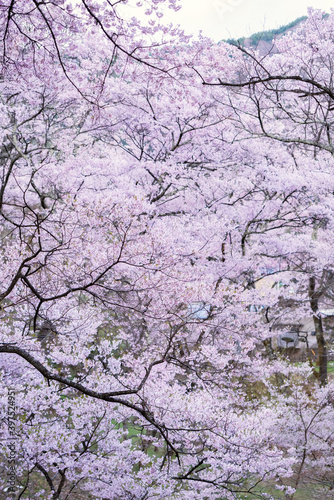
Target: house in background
x=296, y=338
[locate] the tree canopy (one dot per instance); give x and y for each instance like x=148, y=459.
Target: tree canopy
x=166, y=211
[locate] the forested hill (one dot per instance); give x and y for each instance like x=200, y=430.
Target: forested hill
x=263, y=40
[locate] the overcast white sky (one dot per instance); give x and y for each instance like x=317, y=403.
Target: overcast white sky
x=222, y=19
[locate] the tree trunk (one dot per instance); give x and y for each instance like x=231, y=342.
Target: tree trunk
x=319, y=332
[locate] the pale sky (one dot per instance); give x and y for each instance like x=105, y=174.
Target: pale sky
x=222, y=19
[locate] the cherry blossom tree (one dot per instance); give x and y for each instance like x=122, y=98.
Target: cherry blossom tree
x=289, y=98
x=137, y=210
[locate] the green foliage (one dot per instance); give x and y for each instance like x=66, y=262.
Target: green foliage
x=330, y=367
x=267, y=35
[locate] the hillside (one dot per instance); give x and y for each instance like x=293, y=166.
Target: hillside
x=263, y=40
